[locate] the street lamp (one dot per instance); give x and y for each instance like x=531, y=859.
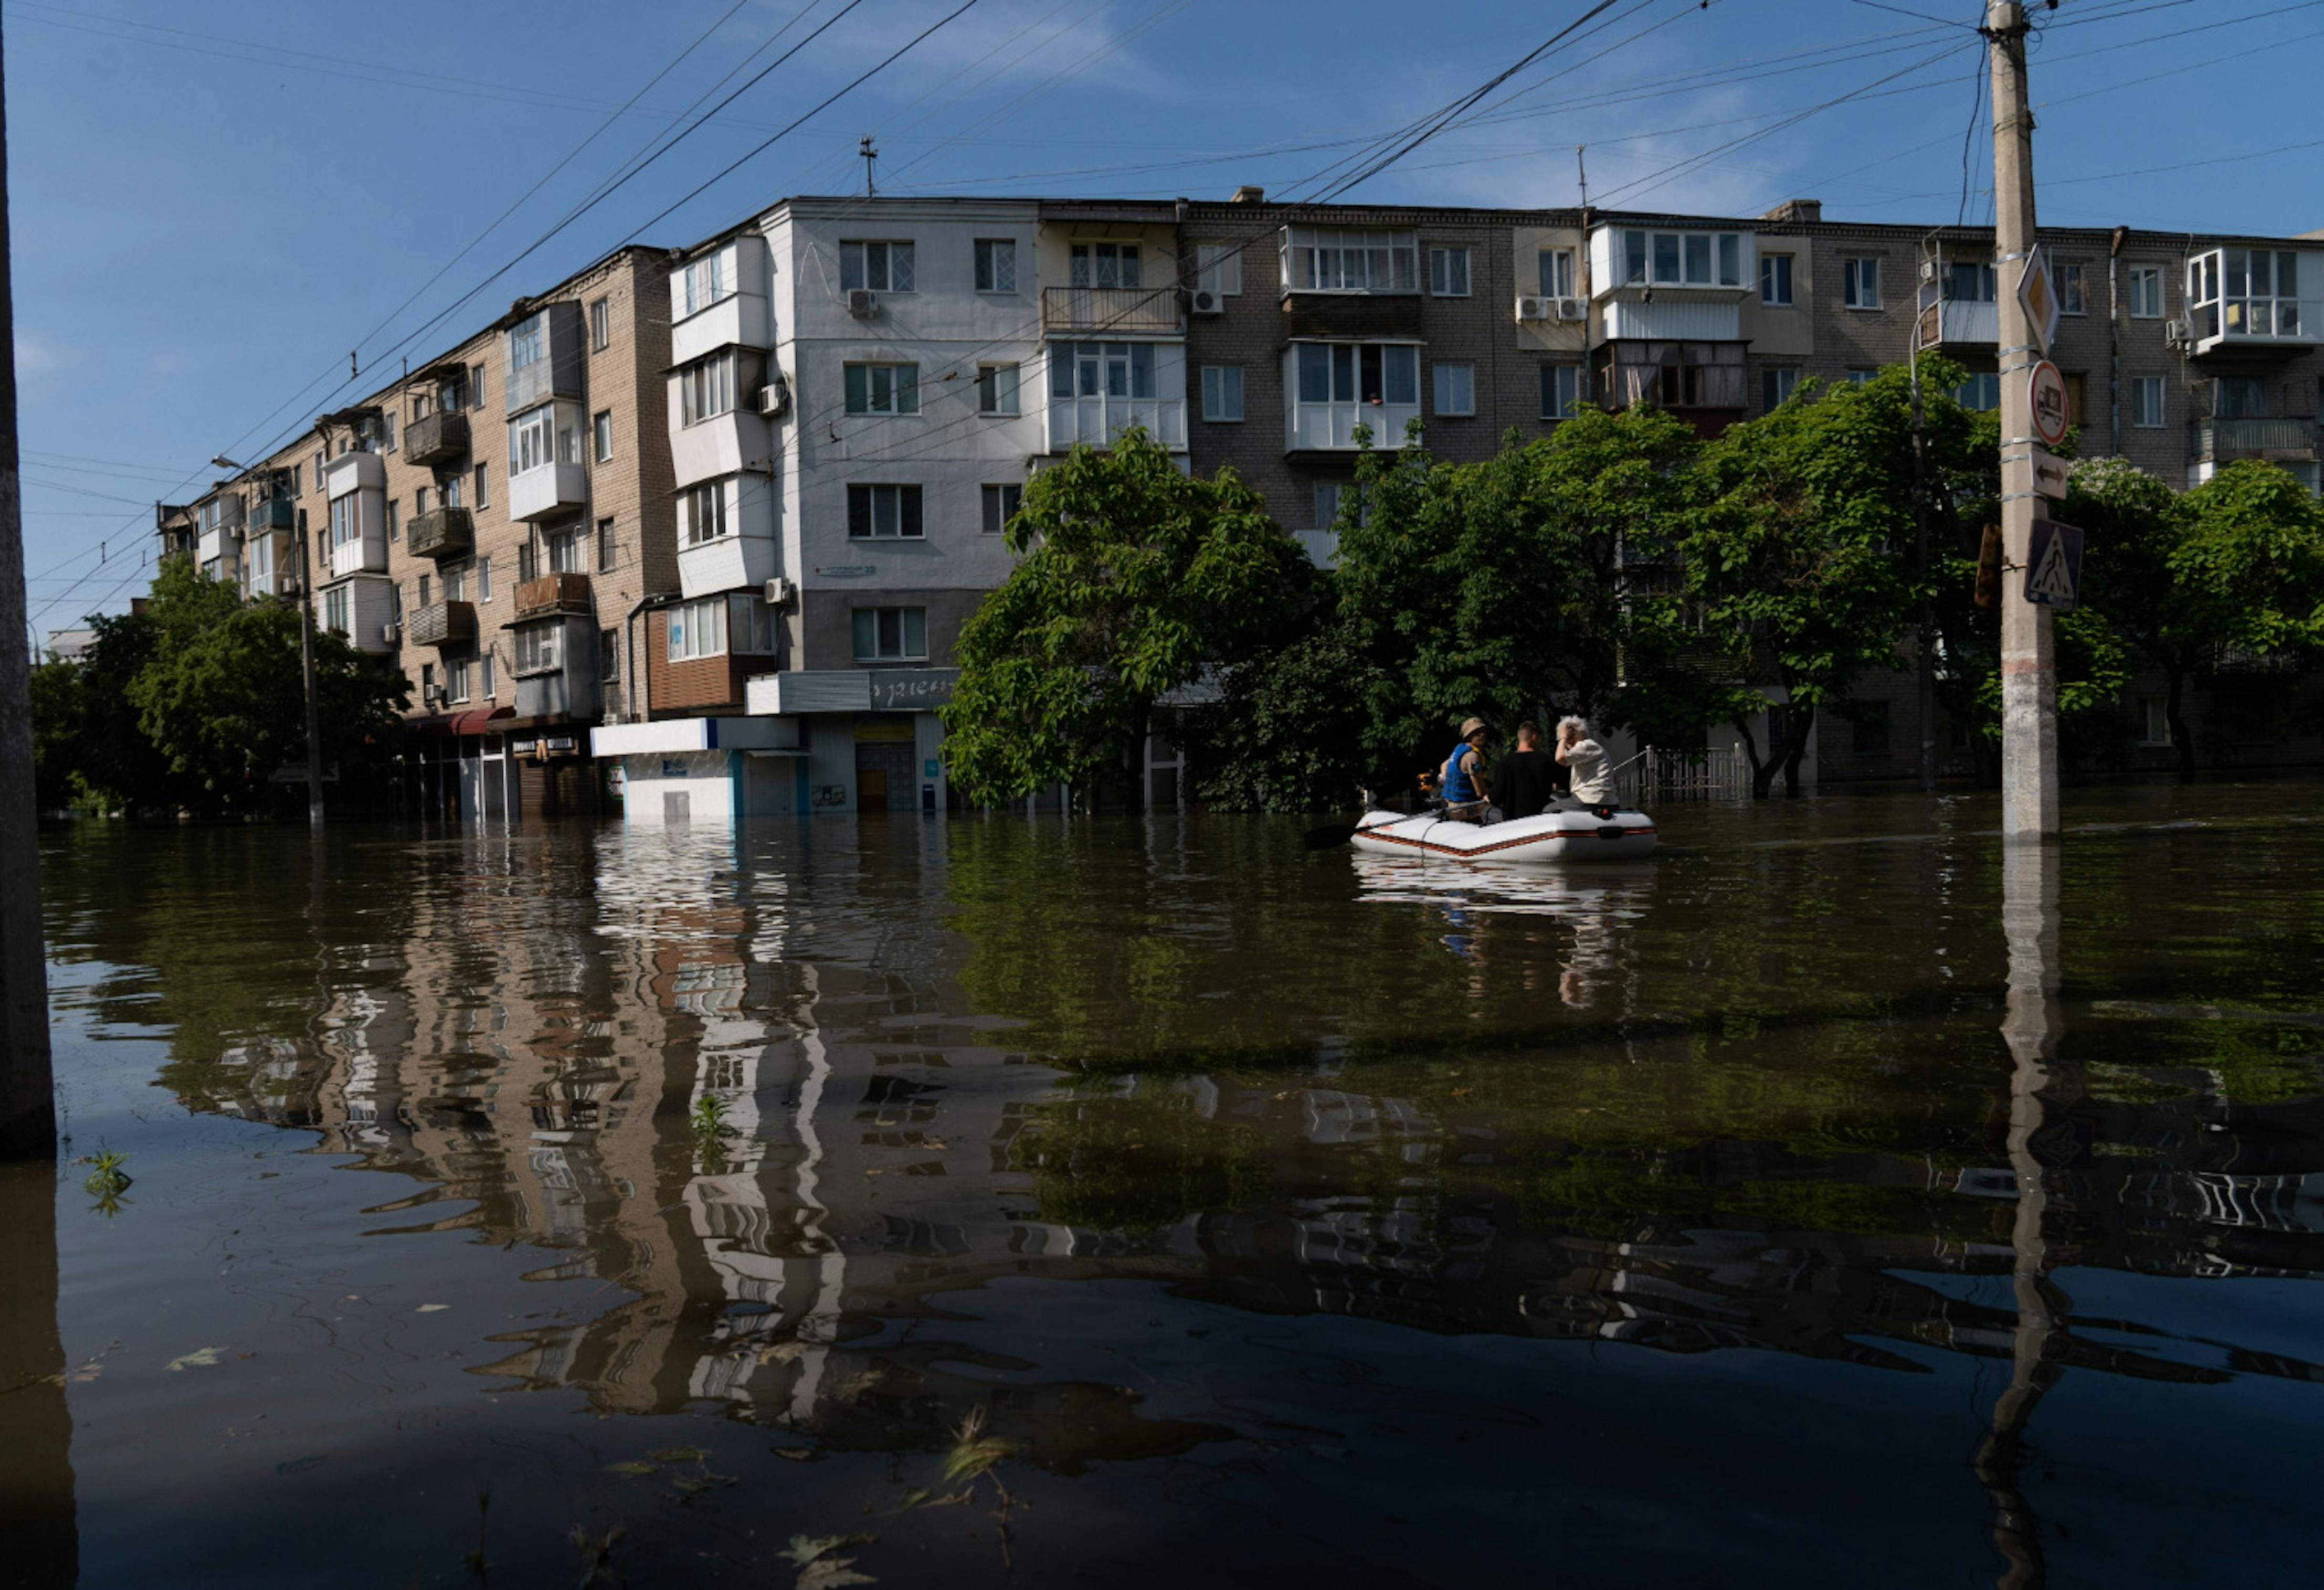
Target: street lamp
x=305, y=659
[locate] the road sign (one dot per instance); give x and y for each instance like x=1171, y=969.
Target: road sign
x=2046, y=391
x=2039, y=294
x=2049, y=473
x=2053, y=565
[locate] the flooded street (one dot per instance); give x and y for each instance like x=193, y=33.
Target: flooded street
x=1122, y=1202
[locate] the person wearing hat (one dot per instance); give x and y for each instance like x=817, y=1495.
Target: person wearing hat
x=1465, y=794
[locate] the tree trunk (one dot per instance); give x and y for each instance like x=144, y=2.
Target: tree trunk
x=1763, y=773
x=2181, y=741
x=1797, y=724
x=1133, y=755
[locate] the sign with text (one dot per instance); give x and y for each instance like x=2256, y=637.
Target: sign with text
x=848, y=571
x=2045, y=392
x=895, y=690
x=2053, y=565
x=2050, y=473
x=2039, y=295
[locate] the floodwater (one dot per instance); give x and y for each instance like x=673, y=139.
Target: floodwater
x=1126, y=1203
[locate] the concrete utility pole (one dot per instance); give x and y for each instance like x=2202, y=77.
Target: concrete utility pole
x=306, y=677
x=28, y=1123
x=2029, y=677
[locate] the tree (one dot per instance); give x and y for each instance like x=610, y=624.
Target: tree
x=1288, y=732
x=1797, y=559
x=1134, y=577
x=2233, y=568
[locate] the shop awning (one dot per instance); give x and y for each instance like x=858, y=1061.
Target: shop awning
x=473, y=721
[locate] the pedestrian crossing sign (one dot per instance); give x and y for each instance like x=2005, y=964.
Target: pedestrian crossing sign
x=2053, y=565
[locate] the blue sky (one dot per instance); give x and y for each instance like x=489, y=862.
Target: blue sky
x=213, y=203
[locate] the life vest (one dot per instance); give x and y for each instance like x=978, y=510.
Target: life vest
x=1458, y=788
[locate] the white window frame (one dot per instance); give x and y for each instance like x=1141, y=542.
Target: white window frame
x=705, y=388
x=539, y=649
x=2142, y=388
x=1644, y=252
x=2147, y=285
x=906, y=621
x=704, y=284
x=532, y=444
x=1222, y=394
x=1859, y=282
x=528, y=342
x=1105, y=265
x=1350, y=260
x=702, y=512
x=1448, y=275
x=998, y=502
x=1452, y=389
x=347, y=521
x=1218, y=268
x=1776, y=286
x=883, y=388
x=335, y=608
x=601, y=435
x=996, y=266
x=1554, y=272
x=883, y=264
x=1980, y=385
x=1777, y=383
x=1563, y=391
x=2073, y=290
x=997, y=392
x=695, y=629
x=601, y=324
x=455, y=679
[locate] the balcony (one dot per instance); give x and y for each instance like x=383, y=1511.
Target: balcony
x=553, y=593
x=442, y=532
x=547, y=489
x=436, y=438
x=1111, y=311
x=272, y=513
x=444, y=623
x=1960, y=323
x=1098, y=420
x=2248, y=300
x=2279, y=439
x=1331, y=426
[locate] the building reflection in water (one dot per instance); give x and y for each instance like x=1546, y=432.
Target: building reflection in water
x=759, y=1101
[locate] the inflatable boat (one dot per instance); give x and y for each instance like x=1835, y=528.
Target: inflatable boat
x=1572, y=834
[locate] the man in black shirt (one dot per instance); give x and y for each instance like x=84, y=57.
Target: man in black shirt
x=1525, y=782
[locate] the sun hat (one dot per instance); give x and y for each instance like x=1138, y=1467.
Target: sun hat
x=1472, y=727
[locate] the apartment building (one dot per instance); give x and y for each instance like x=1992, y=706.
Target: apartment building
x=504, y=584
x=858, y=390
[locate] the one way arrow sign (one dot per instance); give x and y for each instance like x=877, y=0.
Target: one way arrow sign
x=2053, y=565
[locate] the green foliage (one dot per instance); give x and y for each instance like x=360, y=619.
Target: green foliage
x=1289, y=734
x=193, y=704
x=1135, y=576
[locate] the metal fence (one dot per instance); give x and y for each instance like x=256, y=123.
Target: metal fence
x=1661, y=776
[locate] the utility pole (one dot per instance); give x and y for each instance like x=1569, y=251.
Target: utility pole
x=2029, y=676
x=1924, y=648
x=28, y=1122
x=307, y=677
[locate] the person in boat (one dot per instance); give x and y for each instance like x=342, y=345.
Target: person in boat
x=1591, y=781
x=1467, y=797
x=1527, y=779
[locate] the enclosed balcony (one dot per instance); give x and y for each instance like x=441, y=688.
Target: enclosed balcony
x=441, y=532
x=1109, y=311
x=1097, y=390
x=1334, y=388
x=436, y=438
x=2250, y=301
x=2277, y=438
x=444, y=623
x=1963, y=322
x=553, y=593
x=274, y=513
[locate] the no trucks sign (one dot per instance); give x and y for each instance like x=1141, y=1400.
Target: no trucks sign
x=2046, y=390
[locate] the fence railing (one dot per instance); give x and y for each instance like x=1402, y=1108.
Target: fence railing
x=1666, y=775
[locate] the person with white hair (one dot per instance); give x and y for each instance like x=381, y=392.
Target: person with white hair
x=1584, y=761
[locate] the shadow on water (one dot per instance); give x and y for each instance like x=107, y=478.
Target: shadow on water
x=1789, y=1210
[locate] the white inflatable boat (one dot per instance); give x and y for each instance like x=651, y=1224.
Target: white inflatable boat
x=1574, y=833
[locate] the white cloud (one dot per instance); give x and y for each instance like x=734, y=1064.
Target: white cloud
x=37, y=357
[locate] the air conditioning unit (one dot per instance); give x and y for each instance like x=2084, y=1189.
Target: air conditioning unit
x=1928, y=269
x=2177, y=334
x=1534, y=308
x=1207, y=301
x=775, y=397
x=779, y=590
x=391, y=631
x=863, y=302
x=1568, y=309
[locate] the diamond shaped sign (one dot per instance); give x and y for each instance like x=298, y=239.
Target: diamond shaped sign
x=2039, y=295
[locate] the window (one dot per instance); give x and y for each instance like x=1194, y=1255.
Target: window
x=1332, y=496
x=1981, y=392
x=1556, y=267
x=609, y=655
x=2078, y=395
x=418, y=502
x=320, y=460
x=475, y=396
x=996, y=264
x=750, y=624
x=1334, y=260
x=891, y=634
x=1561, y=391
x=530, y=443
x=604, y=545
x=1102, y=370
x=2154, y=714
x=697, y=629
x=526, y=345
x=294, y=480
x=455, y=679
x=394, y=530
x=1776, y=281
x=1455, y=388
x=705, y=388
x=1869, y=719
x=883, y=388
x=883, y=511
x=2146, y=401
x=484, y=486
x=702, y=512
x=1223, y=393
x=423, y=591
x=538, y=650
x=705, y=283
x=387, y=426
x=2146, y=292
x=427, y=682
x=1683, y=258
x=484, y=583
x=1859, y=283
x=601, y=326
x=1218, y=268
x=345, y=525
x=2239, y=397
x=2070, y=298
x=525, y=568
x=1359, y=372
x=1001, y=506
x=1969, y=281
x=1448, y=272
x=996, y=388
x=1105, y=265
x=601, y=435
x=1858, y=376
x=565, y=550
x=2244, y=292
x=456, y=578
x=1775, y=387
x=335, y=610
x=884, y=267
x=488, y=660
x=451, y=486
